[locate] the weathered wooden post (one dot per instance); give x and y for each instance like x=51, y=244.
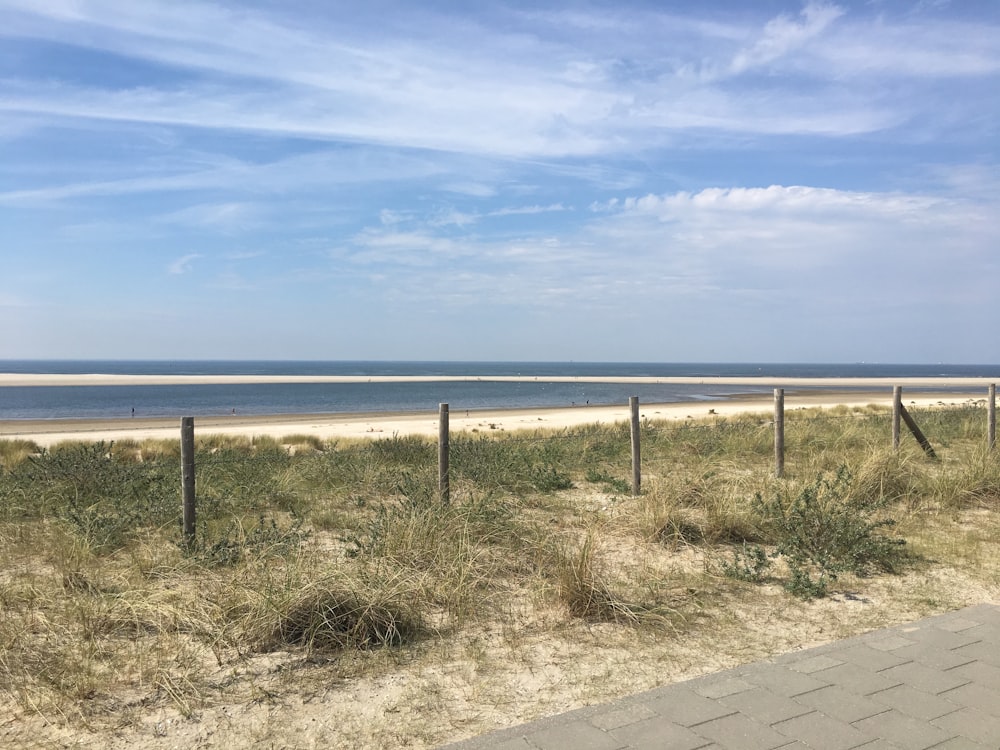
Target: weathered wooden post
x=991, y=417
x=897, y=414
x=779, y=432
x=633, y=403
x=444, y=486
x=917, y=432
x=187, y=480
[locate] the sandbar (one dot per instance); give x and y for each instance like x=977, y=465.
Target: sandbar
x=61, y=379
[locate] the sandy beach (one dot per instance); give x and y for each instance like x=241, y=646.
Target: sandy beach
x=386, y=424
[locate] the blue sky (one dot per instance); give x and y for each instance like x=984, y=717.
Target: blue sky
x=639, y=181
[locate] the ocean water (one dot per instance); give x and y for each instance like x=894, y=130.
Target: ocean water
x=96, y=402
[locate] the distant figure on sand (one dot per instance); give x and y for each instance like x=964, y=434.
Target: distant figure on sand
x=133, y=411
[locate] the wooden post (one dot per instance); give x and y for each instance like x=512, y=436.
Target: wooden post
x=779, y=432
x=991, y=417
x=187, y=480
x=444, y=486
x=897, y=407
x=633, y=403
x=917, y=433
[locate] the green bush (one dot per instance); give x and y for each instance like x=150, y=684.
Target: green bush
x=826, y=530
x=105, y=498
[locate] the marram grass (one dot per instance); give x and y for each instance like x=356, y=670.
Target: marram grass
x=331, y=553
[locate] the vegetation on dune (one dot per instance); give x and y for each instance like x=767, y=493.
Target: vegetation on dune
x=322, y=550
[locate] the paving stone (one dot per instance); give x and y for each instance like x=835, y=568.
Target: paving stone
x=737, y=732
x=520, y=743
x=958, y=624
x=924, y=678
x=979, y=672
x=938, y=658
x=960, y=743
x=657, y=734
x=903, y=730
x=815, y=664
x=787, y=682
x=915, y=703
x=890, y=642
x=936, y=637
x=975, y=696
x=822, y=732
x=574, y=735
x=720, y=687
x=878, y=745
x=760, y=704
x=685, y=707
x=620, y=717
x=857, y=679
x=984, y=651
x=972, y=724
x=987, y=631
x=872, y=659
x=840, y=704
x=984, y=613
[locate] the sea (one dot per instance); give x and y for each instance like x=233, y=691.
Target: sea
x=110, y=402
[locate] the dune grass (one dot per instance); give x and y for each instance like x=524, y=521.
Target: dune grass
x=338, y=557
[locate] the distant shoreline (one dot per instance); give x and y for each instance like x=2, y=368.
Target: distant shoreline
x=100, y=379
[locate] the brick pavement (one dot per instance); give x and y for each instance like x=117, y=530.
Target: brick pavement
x=934, y=683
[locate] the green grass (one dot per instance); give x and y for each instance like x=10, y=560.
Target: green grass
x=333, y=552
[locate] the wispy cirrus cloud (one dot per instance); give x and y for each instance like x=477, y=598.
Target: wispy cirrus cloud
x=183, y=265
x=338, y=81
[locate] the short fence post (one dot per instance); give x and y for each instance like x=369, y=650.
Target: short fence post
x=633, y=402
x=991, y=417
x=897, y=414
x=187, y=480
x=444, y=487
x=779, y=432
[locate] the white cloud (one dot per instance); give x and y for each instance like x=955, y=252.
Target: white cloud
x=183, y=264
x=782, y=35
x=462, y=89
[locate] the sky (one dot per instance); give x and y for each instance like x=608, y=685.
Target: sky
x=725, y=181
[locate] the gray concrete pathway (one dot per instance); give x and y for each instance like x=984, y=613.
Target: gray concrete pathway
x=934, y=683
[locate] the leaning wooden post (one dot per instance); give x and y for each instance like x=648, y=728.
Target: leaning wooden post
x=917, y=432
x=187, y=480
x=633, y=403
x=991, y=417
x=444, y=487
x=897, y=414
x=779, y=432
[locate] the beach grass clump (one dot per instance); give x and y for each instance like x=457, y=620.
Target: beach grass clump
x=335, y=614
x=14, y=452
x=472, y=545
x=584, y=590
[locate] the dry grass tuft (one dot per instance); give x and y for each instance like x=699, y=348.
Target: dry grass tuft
x=331, y=620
